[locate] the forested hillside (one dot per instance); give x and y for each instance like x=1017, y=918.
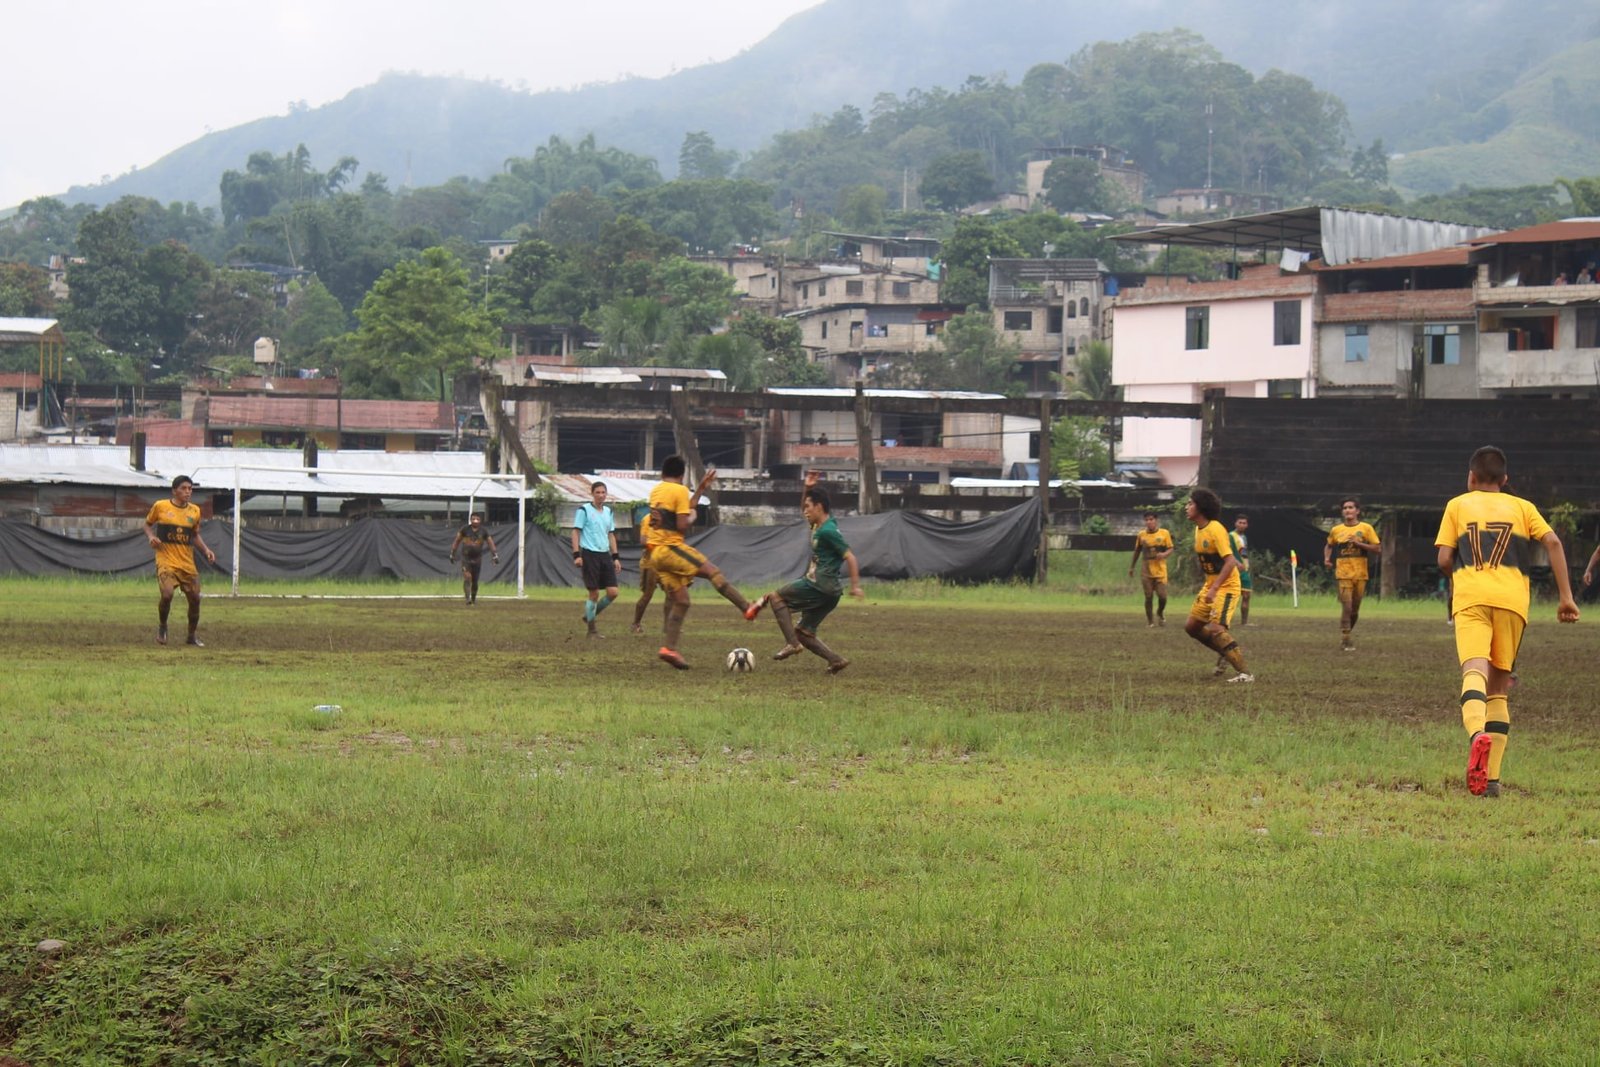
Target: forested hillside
x=1465, y=87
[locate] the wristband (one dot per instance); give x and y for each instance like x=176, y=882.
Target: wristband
x=616, y=557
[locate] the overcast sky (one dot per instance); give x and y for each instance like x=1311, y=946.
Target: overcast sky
x=92, y=88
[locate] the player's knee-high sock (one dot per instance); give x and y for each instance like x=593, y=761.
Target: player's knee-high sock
x=604, y=603
x=780, y=612
x=1474, y=701
x=589, y=610
x=1149, y=609
x=1227, y=647
x=1161, y=608
x=194, y=616
x=674, y=626
x=163, y=610
x=1244, y=610
x=721, y=584
x=1498, y=726
x=810, y=641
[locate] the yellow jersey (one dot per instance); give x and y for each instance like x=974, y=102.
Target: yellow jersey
x=1213, y=549
x=1149, y=544
x=668, y=500
x=1493, y=535
x=176, y=528
x=1350, y=562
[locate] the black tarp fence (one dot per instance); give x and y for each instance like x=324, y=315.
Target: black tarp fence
x=899, y=544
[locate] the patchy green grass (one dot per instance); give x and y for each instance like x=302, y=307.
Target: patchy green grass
x=1022, y=828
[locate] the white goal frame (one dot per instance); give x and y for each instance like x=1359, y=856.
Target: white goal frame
x=477, y=480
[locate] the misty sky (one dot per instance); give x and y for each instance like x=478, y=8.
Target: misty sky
x=93, y=88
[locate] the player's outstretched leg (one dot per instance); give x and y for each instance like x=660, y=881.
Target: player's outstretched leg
x=720, y=583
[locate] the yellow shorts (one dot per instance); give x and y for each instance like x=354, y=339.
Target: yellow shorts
x=170, y=578
x=1352, y=590
x=1488, y=633
x=675, y=566
x=1157, y=586
x=1219, y=611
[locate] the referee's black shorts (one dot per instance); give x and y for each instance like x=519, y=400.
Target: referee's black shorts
x=598, y=570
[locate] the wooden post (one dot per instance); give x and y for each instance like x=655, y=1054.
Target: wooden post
x=867, y=502
x=1393, y=554
x=1041, y=571
x=308, y=503
x=136, y=449
x=683, y=439
x=1209, y=417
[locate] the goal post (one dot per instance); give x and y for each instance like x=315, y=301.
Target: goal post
x=470, y=486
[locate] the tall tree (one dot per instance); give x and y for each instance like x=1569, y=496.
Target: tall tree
x=699, y=158
x=313, y=319
x=956, y=180
x=972, y=355
x=421, y=324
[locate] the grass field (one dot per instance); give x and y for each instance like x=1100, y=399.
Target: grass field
x=1022, y=828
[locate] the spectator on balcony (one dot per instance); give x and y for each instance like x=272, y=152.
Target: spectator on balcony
x=1586, y=275
x=1561, y=279
x=822, y=439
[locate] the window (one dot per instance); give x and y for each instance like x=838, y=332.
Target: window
x=354, y=441
x=1197, y=328
x=283, y=438
x=931, y=329
x=854, y=288
x=822, y=288
x=1588, y=328
x=1286, y=322
x=1355, y=344
x=805, y=292
x=1072, y=309
x=1083, y=306
x=1442, y=344
x=1284, y=388
x=902, y=288
x=824, y=329
x=1053, y=323
x=1019, y=320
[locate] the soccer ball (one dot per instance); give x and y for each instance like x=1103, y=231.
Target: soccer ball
x=741, y=661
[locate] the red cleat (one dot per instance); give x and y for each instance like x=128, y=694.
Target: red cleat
x=671, y=656
x=754, y=609
x=1478, y=764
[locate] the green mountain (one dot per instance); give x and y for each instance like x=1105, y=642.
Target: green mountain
x=1545, y=125
x=1412, y=71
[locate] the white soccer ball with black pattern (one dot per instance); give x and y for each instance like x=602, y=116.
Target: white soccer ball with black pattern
x=741, y=661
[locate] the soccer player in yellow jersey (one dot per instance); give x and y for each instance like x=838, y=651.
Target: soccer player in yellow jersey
x=647, y=581
x=1485, y=544
x=1152, y=544
x=676, y=565
x=173, y=528
x=1213, y=608
x=1352, y=541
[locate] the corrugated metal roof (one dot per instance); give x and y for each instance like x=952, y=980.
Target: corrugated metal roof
x=34, y=327
x=384, y=473
x=1456, y=256
x=914, y=394
x=1566, y=230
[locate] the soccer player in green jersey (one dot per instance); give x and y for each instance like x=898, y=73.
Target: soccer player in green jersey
x=817, y=594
